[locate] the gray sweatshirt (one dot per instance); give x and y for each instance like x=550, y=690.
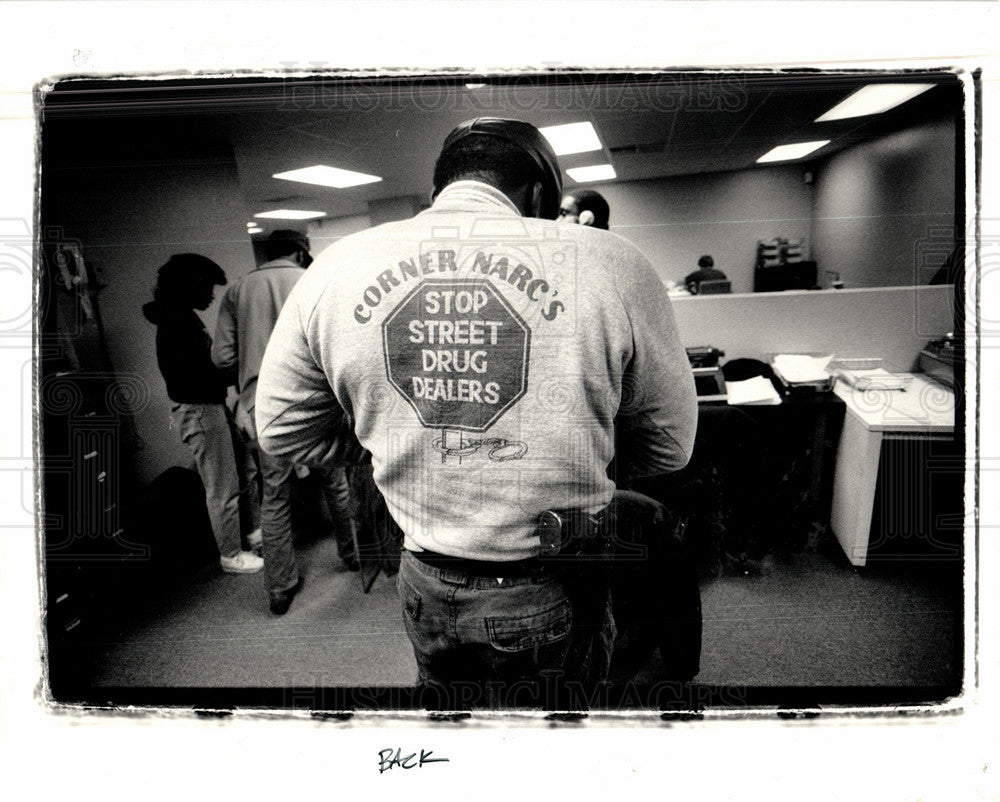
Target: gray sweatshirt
x=484, y=359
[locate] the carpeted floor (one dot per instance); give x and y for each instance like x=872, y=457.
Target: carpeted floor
x=218, y=631
x=813, y=620
x=807, y=620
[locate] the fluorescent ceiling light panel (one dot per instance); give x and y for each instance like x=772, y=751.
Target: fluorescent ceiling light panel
x=873, y=99
x=597, y=172
x=474, y=86
x=290, y=214
x=784, y=153
x=327, y=176
x=572, y=138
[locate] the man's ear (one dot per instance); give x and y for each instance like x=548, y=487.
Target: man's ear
x=586, y=218
x=536, y=199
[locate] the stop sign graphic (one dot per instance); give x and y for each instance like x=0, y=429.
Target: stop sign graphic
x=457, y=352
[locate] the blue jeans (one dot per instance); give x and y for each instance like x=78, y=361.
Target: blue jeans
x=484, y=642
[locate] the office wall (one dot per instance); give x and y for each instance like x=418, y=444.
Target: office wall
x=883, y=207
x=130, y=219
x=323, y=233
x=893, y=323
x=676, y=220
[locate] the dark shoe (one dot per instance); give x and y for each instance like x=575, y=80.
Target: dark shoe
x=282, y=600
x=352, y=563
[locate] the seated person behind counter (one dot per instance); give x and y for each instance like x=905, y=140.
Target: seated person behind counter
x=706, y=273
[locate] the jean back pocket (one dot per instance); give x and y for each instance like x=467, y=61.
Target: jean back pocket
x=516, y=634
x=412, y=604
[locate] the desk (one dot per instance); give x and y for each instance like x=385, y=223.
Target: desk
x=760, y=477
x=924, y=411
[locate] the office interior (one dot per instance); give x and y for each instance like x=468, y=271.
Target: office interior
x=133, y=171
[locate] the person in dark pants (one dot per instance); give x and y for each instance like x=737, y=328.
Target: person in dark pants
x=197, y=389
x=480, y=352
x=247, y=314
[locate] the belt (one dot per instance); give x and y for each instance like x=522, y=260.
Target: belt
x=557, y=529
x=565, y=536
x=526, y=567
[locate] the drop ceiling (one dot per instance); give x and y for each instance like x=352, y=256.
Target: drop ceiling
x=650, y=125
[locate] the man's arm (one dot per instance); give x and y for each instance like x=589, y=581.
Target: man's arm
x=659, y=411
x=298, y=416
x=225, y=351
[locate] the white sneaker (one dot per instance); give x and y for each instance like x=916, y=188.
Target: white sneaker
x=255, y=539
x=243, y=563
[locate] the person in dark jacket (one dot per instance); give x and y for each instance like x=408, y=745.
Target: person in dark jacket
x=198, y=391
x=706, y=272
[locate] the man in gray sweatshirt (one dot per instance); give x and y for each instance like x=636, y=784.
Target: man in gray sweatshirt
x=484, y=354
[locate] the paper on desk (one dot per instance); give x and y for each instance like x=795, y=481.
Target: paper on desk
x=796, y=368
x=876, y=379
x=758, y=391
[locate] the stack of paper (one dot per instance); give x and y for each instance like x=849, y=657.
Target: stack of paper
x=757, y=391
x=876, y=379
x=801, y=368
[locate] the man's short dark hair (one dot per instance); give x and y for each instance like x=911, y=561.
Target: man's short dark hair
x=706, y=261
x=589, y=201
x=508, y=154
x=285, y=242
x=486, y=158
x=178, y=278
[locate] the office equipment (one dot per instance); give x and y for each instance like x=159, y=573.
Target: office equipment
x=709, y=382
x=924, y=412
x=802, y=373
x=704, y=356
x=937, y=360
x=714, y=287
x=780, y=265
x=790, y=276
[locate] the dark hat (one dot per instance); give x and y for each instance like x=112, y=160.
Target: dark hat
x=527, y=138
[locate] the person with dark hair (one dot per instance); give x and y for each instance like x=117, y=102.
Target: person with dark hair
x=197, y=389
x=480, y=351
x=585, y=207
x=247, y=314
x=289, y=245
x=706, y=272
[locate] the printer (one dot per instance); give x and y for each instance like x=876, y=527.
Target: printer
x=937, y=360
x=709, y=383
